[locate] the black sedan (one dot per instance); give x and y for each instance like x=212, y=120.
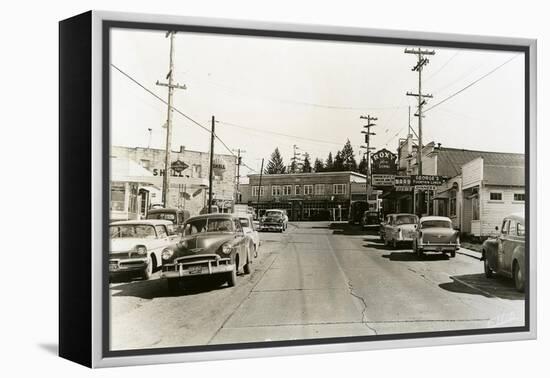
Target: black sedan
x=213, y=245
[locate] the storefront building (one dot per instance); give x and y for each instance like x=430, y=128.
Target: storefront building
x=305, y=196
x=134, y=191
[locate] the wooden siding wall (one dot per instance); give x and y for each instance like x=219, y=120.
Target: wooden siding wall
x=492, y=212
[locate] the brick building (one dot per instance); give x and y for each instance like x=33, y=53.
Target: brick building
x=305, y=196
x=188, y=184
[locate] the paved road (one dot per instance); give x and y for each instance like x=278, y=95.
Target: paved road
x=318, y=280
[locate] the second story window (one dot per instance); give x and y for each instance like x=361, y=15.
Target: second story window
x=297, y=190
x=308, y=190
x=275, y=190
x=255, y=190
x=287, y=190
x=339, y=189
x=319, y=189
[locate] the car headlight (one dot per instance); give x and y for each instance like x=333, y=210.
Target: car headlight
x=167, y=254
x=141, y=250
x=280, y=221
x=226, y=249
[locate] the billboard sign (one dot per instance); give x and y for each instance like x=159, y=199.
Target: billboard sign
x=383, y=180
x=383, y=162
x=427, y=180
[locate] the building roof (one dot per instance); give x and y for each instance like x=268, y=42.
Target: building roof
x=503, y=175
x=123, y=169
x=450, y=160
x=359, y=175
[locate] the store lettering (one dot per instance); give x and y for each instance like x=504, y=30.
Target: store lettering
x=160, y=172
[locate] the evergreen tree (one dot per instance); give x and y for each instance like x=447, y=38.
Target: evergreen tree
x=318, y=165
x=275, y=163
x=348, y=158
x=338, y=165
x=363, y=165
x=329, y=165
x=306, y=166
x=293, y=168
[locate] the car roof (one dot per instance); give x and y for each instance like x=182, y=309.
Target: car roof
x=275, y=210
x=213, y=215
x=151, y=222
x=402, y=214
x=434, y=217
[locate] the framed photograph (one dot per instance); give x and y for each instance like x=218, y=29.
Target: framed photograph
x=234, y=189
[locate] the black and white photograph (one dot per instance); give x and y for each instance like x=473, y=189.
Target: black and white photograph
x=270, y=189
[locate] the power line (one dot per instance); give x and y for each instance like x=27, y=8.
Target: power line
x=441, y=68
x=472, y=83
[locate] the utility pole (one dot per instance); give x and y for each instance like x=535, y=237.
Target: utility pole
x=211, y=173
x=239, y=161
x=260, y=189
x=368, y=134
x=421, y=62
x=150, y=136
x=171, y=86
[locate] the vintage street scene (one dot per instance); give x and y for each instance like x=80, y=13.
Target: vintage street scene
x=271, y=189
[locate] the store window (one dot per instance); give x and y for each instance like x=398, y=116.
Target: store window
x=255, y=191
x=519, y=197
x=339, y=188
x=308, y=190
x=117, y=196
x=287, y=190
x=275, y=190
x=495, y=196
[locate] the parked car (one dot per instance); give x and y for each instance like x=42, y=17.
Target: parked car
x=274, y=220
x=250, y=230
x=212, y=245
x=136, y=246
x=176, y=216
x=399, y=228
x=505, y=254
x=370, y=218
x=435, y=234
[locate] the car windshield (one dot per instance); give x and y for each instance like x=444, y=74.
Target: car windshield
x=435, y=223
x=406, y=219
x=244, y=222
x=273, y=214
x=142, y=231
x=165, y=216
x=199, y=226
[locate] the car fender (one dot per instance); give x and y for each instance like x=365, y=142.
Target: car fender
x=518, y=255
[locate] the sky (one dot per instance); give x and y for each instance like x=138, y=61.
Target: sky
x=274, y=92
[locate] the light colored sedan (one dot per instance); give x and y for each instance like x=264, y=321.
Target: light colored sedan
x=399, y=228
x=436, y=234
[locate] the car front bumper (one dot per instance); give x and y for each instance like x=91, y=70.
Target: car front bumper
x=439, y=247
x=133, y=265
x=194, y=266
x=271, y=227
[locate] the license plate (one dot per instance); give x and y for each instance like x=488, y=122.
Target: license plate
x=113, y=266
x=195, y=269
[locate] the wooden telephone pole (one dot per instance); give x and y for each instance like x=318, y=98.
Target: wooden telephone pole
x=211, y=172
x=171, y=86
x=368, y=147
x=421, y=62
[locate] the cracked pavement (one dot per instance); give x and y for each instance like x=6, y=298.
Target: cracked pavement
x=318, y=281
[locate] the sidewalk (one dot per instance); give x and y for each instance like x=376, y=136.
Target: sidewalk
x=470, y=249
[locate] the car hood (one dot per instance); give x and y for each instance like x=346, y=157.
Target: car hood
x=272, y=219
x=126, y=244
x=208, y=243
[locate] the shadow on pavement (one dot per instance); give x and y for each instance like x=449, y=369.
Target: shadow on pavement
x=478, y=284
x=351, y=229
x=410, y=256
x=158, y=288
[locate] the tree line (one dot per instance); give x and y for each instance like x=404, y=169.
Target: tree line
x=343, y=160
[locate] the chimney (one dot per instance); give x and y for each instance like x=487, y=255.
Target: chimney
x=182, y=149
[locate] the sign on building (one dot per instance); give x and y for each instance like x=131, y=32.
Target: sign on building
x=383, y=180
x=383, y=162
x=427, y=180
x=403, y=184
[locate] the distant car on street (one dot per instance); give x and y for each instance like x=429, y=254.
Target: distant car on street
x=399, y=228
x=213, y=245
x=176, y=216
x=370, y=218
x=505, y=254
x=435, y=234
x=136, y=246
x=249, y=229
x=274, y=220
